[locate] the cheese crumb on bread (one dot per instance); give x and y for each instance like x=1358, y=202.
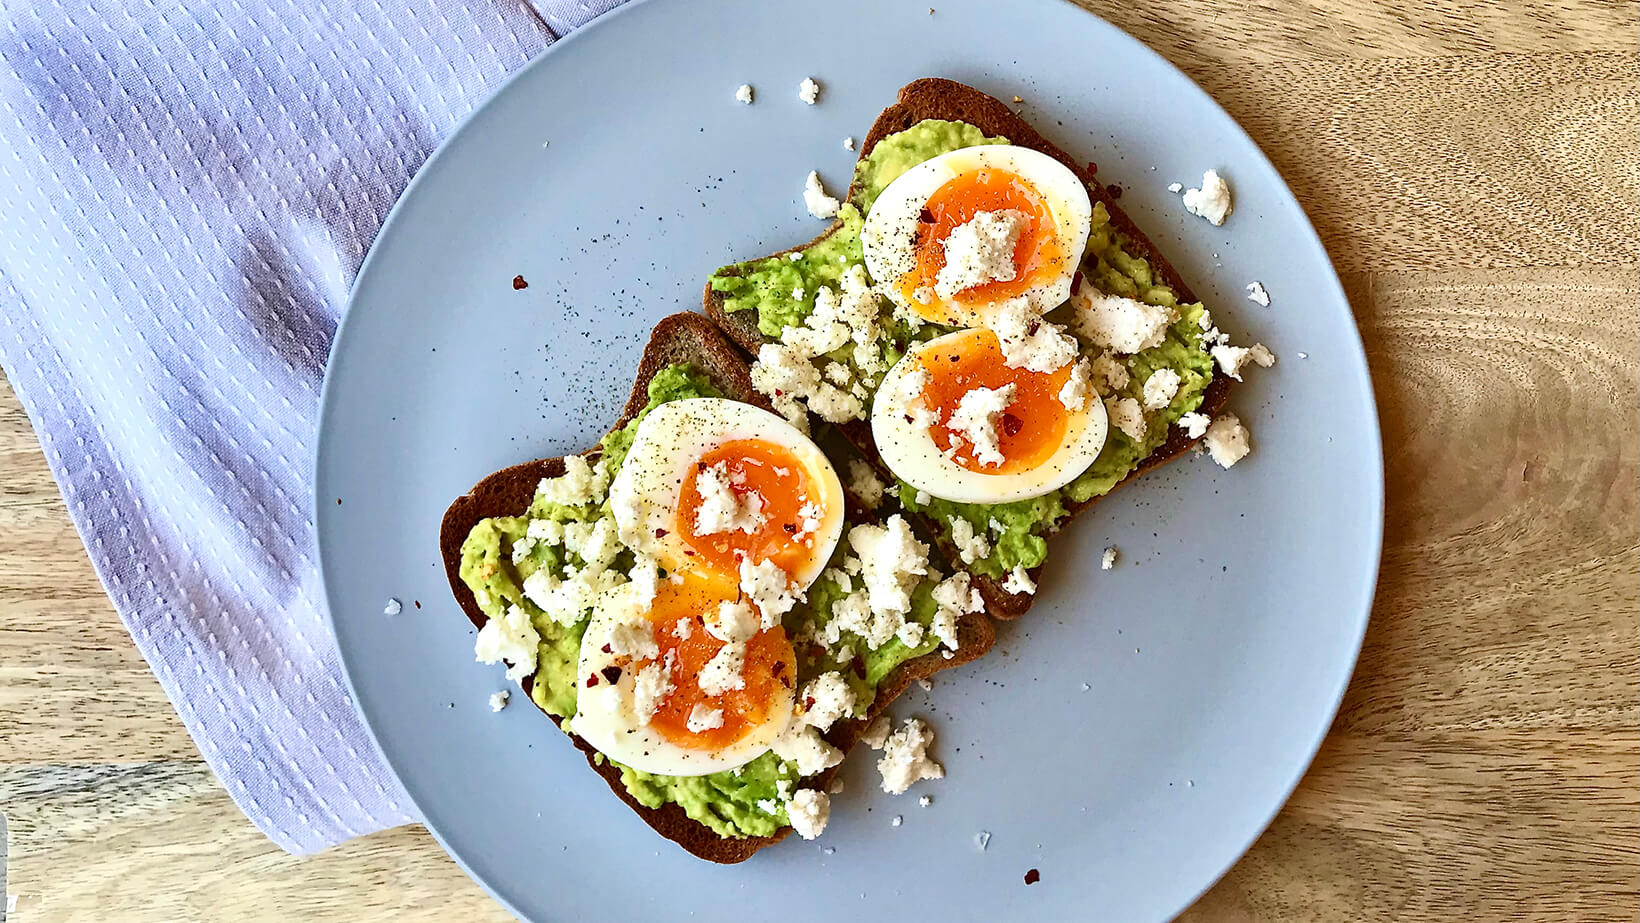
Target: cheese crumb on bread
x=864, y=483
x=511, y=638
x=1160, y=388
x=1125, y=325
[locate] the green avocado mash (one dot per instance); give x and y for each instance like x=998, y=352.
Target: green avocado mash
x=497, y=559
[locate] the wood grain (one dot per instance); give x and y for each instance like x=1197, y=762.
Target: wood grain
x=1472, y=167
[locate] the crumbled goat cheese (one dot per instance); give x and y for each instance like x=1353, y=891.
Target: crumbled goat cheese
x=1030, y=342
x=819, y=203
x=1126, y=416
x=498, y=700
x=635, y=639
x=1160, y=388
x=1258, y=294
x=1194, y=424
x=848, y=143
x=579, y=485
x=854, y=613
x=923, y=498
x=645, y=579
x=1232, y=359
x=1125, y=325
x=809, y=90
x=808, y=519
x=876, y=733
x=568, y=601
x=827, y=698
x=1212, y=200
x=1227, y=440
x=702, y=718
x=971, y=546
x=1109, y=374
x=683, y=629
x=512, y=638
x=975, y=420
x=864, y=483
x=733, y=621
x=980, y=250
x=1078, y=387
x=1019, y=581
x=925, y=800
x=743, y=94
x=905, y=759
x=802, y=746
x=808, y=812
x=649, y=689
x=724, y=509
x=1175, y=188
x=789, y=380
x=769, y=588
x=723, y=672
x=906, y=394
x=955, y=597
x=891, y=561
x=1108, y=561
x=898, y=820
x=393, y=607
x=910, y=633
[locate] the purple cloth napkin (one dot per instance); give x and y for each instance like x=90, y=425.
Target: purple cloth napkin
x=186, y=192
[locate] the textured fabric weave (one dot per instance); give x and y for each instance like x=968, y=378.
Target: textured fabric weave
x=186, y=191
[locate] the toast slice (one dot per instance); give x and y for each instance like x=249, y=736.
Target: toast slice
x=692, y=339
x=938, y=98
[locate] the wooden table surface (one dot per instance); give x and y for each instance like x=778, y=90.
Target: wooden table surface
x=1472, y=166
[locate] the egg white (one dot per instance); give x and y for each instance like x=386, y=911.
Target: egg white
x=644, y=497
x=889, y=235
x=907, y=446
x=606, y=718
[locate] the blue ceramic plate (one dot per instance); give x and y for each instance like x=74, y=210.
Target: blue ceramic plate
x=1129, y=738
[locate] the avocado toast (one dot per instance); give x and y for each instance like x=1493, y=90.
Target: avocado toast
x=759, y=303
x=493, y=554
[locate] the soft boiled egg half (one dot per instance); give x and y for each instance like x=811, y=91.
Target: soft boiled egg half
x=649, y=695
x=955, y=236
x=692, y=673
x=709, y=482
x=953, y=419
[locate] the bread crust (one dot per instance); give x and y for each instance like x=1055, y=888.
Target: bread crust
x=938, y=98
x=691, y=338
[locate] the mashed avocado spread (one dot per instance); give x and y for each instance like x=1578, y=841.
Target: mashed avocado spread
x=1017, y=530
x=499, y=557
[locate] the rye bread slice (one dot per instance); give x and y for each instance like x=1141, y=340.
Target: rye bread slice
x=938, y=98
x=693, y=339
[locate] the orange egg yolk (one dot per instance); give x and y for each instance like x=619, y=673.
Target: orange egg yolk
x=769, y=671
x=1036, y=255
x=783, y=486
x=1032, y=427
